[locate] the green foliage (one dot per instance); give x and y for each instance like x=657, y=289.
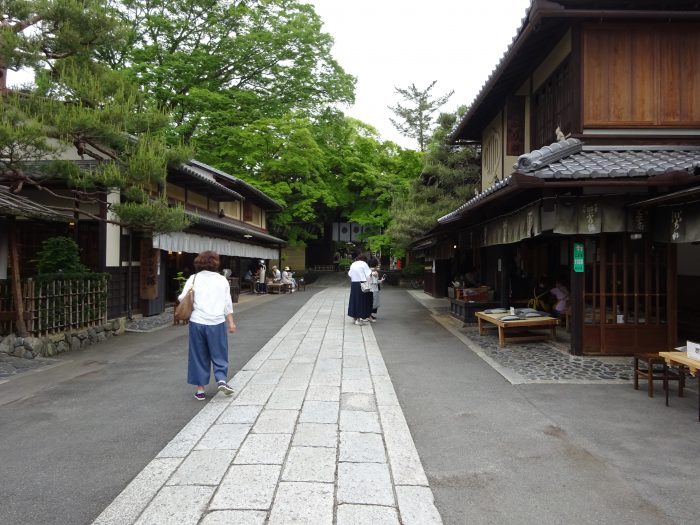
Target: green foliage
x=415, y=119
x=155, y=216
x=59, y=255
x=181, y=280
x=213, y=63
x=414, y=269
x=78, y=104
x=449, y=176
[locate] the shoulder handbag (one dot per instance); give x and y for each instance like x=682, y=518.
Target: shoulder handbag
x=365, y=286
x=183, y=311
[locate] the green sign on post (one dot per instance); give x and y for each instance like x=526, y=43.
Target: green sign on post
x=578, y=257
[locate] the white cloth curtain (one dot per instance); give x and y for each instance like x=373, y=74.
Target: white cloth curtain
x=190, y=243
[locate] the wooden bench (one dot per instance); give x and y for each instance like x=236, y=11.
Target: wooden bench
x=277, y=288
x=544, y=322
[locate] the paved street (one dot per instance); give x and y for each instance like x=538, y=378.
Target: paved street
x=334, y=423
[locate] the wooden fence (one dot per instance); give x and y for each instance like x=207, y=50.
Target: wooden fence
x=55, y=306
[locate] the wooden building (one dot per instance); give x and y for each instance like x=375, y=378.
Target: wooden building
x=230, y=217
x=589, y=130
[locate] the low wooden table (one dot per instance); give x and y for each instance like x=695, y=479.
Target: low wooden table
x=503, y=326
x=681, y=359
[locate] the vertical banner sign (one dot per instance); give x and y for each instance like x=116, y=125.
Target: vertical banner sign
x=578, y=257
x=148, y=285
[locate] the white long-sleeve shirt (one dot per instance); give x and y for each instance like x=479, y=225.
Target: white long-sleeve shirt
x=212, y=297
x=359, y=271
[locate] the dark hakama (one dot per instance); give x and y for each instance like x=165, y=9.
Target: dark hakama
x=360, y=304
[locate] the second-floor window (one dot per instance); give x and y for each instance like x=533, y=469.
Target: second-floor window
x=552, y=107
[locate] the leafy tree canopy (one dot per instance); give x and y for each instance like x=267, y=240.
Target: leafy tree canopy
x=208, y=62
x=449, y=176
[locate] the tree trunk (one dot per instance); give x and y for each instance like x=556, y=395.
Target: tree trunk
x=21, y=327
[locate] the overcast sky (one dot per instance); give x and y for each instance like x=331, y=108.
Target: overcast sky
x=388, y=43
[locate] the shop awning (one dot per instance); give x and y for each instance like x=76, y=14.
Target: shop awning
x=191, y=243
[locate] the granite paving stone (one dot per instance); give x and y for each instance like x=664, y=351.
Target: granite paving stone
x=316, y=435
x=267, y=449
x=247, y=487
x=366, y=515
x=417, y=506
x=177, y=505
x=240, y=414
x=302, y=503
x=310, y=464
x=254, y=395
x=224, y=437
x=362, y=386
x=203, y=467
x=235, y=517
x=282, y=399
x=353, y=401
x=359, y=421
x=367, y=483
x=319, y=412
x=359, y=447
x=323, y=393
x=276, y=422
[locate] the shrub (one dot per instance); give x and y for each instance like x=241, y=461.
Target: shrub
x=414, y=269
x=60, y=255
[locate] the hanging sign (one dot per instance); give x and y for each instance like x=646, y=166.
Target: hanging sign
x=578, y=257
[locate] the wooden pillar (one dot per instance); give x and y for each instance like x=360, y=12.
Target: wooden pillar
x=20, y=326
x=671, y=295
x=506, y=262
x=576, y=281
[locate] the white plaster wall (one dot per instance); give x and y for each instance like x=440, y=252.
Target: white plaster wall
x=113, y=233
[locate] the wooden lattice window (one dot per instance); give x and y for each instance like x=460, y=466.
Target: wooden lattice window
x=552, y=107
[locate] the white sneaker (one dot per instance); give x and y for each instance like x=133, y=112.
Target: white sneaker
x=358, y=322
x=372, y=320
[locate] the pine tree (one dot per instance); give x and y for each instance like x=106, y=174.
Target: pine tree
x=415, y=119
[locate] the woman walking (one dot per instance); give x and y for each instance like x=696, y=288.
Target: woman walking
x=360, y=304
x=211, y=316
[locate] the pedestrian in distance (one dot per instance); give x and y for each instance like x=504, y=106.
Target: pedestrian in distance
x=212, y=315
x=375, y=282
x=360, y=304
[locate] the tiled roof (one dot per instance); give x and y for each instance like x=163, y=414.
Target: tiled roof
x=571, y=160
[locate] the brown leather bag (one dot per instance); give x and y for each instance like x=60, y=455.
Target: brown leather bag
x=183, y=311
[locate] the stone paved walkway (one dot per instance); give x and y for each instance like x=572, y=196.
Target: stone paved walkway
x=314, y=435
x=532, y=362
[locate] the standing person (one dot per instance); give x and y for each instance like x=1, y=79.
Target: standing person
x=375, y=285
x=211, y=315
x=336, y=261
x=360, y=305
x=262, y=288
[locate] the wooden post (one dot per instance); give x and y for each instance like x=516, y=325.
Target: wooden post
x=20, y=326
x=672, y=297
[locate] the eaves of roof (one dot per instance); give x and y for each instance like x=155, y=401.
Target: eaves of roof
x=242, y=186
x=13, y=205
x=569, y=164
x=545, y=22
x=204, y=184
x=235, y=228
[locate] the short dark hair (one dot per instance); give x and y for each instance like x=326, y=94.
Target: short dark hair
x=207, y=260
x=361, y=257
